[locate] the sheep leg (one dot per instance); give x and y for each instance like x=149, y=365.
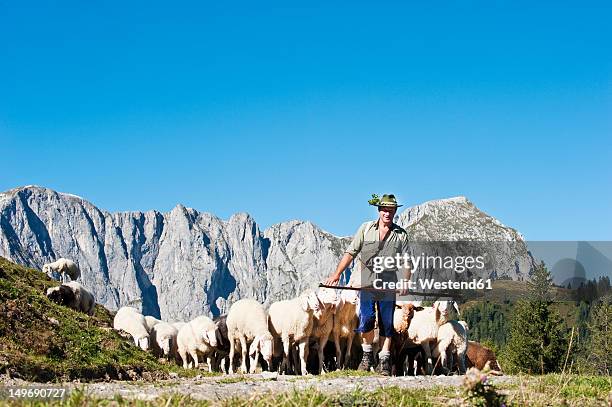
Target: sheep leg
x=244, y=352
x=303, y=355
x=225, y=361
x=295, y=357
x=183, y=355
x=349, y=345
x=210, y=363
x=427, y=350
x=322, y=343
x=338, y=350
x=254, y=362
x=231, y=355
x=286, y=349
x=461, y=362
x=194, y=356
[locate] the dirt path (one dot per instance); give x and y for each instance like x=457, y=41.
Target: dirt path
x=222, y=387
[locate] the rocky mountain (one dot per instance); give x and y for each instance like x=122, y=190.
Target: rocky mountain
x=184, y=263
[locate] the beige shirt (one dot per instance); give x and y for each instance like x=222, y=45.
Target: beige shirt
x=365, y=244
x=368, y=232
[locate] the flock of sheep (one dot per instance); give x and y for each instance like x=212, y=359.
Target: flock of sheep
x=428, y=340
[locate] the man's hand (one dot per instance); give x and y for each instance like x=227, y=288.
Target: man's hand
x=407, y=275
x=335, y=276
x=333, y=279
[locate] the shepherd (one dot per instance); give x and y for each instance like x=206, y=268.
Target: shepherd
x=381, y=237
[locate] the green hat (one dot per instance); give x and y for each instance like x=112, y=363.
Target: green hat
x=387, y=200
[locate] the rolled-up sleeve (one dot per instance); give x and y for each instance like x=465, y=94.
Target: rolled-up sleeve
x=357, y=243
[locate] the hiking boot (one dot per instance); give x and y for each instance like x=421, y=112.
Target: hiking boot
x=367, y=361
x=384, y=366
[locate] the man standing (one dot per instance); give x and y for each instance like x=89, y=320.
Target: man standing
x=371, y=240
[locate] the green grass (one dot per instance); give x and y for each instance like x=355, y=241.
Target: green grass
x=557, y=389
x=45, y=342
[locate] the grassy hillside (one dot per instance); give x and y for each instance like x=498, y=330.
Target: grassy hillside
x=43, y=341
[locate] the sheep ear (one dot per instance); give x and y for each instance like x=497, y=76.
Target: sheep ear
x=304, y=303
x=456, y=307
x=419, y=308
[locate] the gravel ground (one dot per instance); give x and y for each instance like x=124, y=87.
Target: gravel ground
x=222, y=387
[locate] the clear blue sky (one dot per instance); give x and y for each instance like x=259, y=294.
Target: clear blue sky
x=302, y=113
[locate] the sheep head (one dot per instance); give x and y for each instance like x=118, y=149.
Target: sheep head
x=263, y=344
x=448, y=309
x=165, y=345
x=61, y=295
x=406, y=314
x=210, y=336
x=330, y=300
x=310, y=302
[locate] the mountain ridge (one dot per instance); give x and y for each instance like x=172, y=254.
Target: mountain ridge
x=183, y=263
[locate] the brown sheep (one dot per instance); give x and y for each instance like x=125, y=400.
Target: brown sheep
x=478, y=356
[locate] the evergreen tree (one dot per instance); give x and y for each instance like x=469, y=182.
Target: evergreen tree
x=537, y=341
x=599, y=349
x=541, y=284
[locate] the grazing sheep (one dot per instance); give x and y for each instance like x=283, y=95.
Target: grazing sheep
x=150, y=322
x=292, y=321
x=163, y=339
x=478, y=356
x=73, y=295
x=197, y=336
x=247, y=322
x=346, y=320
x=423, y=329
x=452, y=339
x=128, y=319
x=221, y=354
x=63, y=270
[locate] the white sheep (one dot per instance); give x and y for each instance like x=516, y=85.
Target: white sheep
x=197, y=336
x=346, y=320
x=150, y=322
x=324, y=324
x=247, y=322
x=178, y=325
x=292, y=322
x=163, y=339
x=73, y=295
x=423, y=329
x=452, y=339
x=63, y=270
x=128, y=319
